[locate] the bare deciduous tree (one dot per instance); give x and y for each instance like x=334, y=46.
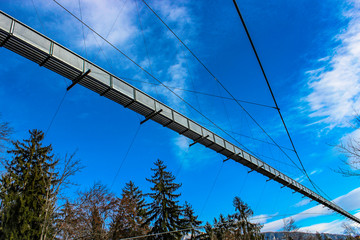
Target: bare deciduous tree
x=350, y=231
x=5, y=131
x=351, y=150
x=59, y=180
x=289, y=227
x=88, y=217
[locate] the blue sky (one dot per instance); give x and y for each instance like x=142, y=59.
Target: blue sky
x=310, y=52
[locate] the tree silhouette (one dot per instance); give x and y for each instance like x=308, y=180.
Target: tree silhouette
x=129, y=214
x=190, y=221
x=164, y=212
x=234, y=226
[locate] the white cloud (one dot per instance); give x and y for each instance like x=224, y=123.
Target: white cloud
x=335, y=86
x=335, y=226
x=302, y=178
x=165, y=58
x=317, y=171
x=348, y=202
x=302, y=203
x=262, y=218
x=110, y=18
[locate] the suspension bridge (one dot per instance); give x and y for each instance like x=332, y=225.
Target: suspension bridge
x=27, y=42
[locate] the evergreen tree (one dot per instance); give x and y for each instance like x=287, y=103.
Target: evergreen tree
x=234, y=226
x=242, y=227
x=164, y=211
x=190, y=220
x=25, y=189
x=129, y=217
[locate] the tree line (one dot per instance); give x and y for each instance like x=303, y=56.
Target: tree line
x=34, y=204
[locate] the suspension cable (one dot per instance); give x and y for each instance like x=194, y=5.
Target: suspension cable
x=218, y=81
x=152, y=76
x=274, y=99
x=200, y=93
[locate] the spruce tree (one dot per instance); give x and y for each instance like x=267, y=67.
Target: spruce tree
x=234, y=226
x=129, y=217
x=190, y=220
x=25, y=189
x=242, y=227
x=164, y=211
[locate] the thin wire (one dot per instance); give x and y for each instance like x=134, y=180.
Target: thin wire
x=225, y=108
x=260, y=197
x=82, y=27
x=125, y=156
x=111, y=29
x=63, y=98
x=109, y=63
x=191, y=78
x=55, y=114
x=145, y=44
x=177, y=94
x=218, y=81
x=211, y=189
x=38, y=16
x=243, y=135
x=244, y=182
x=42, y=24
x=131, y=60
x=274, y=99
x=198, y=92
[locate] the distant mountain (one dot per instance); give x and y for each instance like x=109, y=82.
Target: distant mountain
x=302, y=236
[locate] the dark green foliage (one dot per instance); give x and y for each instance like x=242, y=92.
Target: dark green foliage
x=129, y=214
x=190, y=220
x=164, y=211
x=25, y=189
x=242, y=227
x=234, y=226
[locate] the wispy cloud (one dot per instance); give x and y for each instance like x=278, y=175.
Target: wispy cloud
x=303, y=178
x=348, y=202
x=176, y=69
x=302, y=203
x=113, y=19
x=335, y=86
x=135, y=30
x=262, y=218
x=335, y=226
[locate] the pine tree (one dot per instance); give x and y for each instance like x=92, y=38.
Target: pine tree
x=190, y=220
x=164, y=211
x=25, y=189
x=129, y=217
x=243, y=228
x=234, y=226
